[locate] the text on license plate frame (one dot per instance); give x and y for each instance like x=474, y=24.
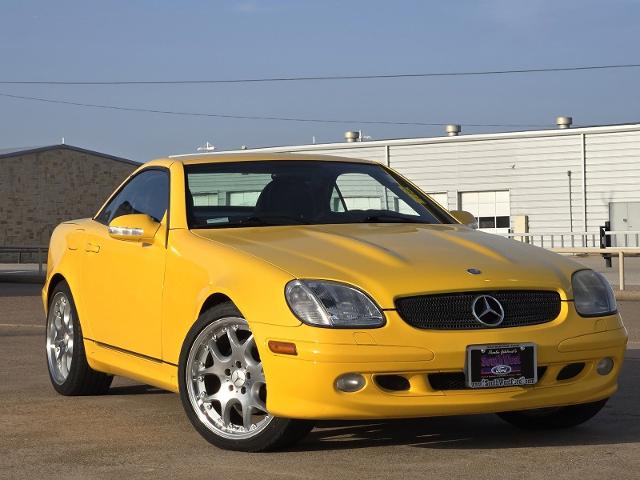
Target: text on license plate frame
x=502, y=367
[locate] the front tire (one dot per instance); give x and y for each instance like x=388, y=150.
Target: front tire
x=223, y=388
x=553, y=418
x=69, y=372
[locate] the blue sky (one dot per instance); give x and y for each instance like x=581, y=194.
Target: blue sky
x=145, y=39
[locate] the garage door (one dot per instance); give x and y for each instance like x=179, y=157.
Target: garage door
x=492, y=209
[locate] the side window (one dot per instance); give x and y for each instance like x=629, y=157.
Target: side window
x=147, y=192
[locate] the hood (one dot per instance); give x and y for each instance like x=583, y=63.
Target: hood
x=393, y=260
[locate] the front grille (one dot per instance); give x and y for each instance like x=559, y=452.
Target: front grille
x=453, y=311
x=456, y=380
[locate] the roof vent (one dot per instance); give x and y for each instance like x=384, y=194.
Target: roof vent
x=207, y=147
x=453, y=129
x=564, y=122
x=352, y=136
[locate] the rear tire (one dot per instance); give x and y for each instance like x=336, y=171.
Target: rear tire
x=69, y=372
x=223, y=389
x=553, y=418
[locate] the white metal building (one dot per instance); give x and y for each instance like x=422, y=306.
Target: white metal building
x=561, y=180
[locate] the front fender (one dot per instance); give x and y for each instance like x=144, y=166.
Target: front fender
x=65, y=258
x=198, y=268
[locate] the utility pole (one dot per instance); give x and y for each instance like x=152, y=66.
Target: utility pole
x=570, y=203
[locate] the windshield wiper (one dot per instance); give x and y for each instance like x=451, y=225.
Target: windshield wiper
x=258, y=220
x=382, y=218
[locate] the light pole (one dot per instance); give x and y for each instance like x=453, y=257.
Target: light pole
x=570, y=204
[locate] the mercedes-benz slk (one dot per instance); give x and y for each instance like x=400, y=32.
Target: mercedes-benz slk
x=272, y=291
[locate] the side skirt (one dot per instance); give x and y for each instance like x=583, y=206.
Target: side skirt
x=116, y=361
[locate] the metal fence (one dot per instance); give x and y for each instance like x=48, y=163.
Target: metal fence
x=606, y=243
x=31, y=252
x=602, y=239
x=620, y=252
x=623, y=239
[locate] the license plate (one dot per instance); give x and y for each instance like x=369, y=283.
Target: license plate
x=496, y=366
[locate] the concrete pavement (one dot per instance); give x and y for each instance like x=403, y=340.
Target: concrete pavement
x=140, y=432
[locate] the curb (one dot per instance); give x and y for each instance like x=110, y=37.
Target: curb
x=627, y=295
x=22, y=278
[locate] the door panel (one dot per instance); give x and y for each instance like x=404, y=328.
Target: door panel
x=123, y=279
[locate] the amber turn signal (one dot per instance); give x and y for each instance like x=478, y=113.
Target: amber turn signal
x=285, y=348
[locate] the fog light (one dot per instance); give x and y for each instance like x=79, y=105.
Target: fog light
x=350, y=382
x=605, y=366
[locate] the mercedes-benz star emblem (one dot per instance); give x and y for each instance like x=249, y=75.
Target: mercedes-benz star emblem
x=487, y=310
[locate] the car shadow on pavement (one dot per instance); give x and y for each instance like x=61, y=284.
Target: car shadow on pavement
x=618, y=422
x=136, y=390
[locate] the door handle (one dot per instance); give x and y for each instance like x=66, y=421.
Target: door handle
x=92, y=247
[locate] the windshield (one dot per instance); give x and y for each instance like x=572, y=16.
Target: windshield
x=262, y=193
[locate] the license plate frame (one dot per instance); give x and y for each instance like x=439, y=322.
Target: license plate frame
x=501, y=365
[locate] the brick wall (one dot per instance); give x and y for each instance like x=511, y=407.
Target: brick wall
x=40, y=190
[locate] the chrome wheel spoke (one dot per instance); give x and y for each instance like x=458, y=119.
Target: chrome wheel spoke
x=257, y=375
x=66, y=360
x=67, y=325
x=247, y=417
x=247, y=351
x=226, y=407
x=256, y=401
x=218, y=357
x=212, y=370
x=236, y=345
x=58, y=324
x=215, y=397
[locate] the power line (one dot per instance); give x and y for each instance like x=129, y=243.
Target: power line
x=327, y=77
x=254, y=117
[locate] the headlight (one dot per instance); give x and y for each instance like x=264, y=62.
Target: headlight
x=331, y=304
x=592, y=294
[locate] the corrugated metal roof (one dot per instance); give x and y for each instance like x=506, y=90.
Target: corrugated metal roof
x=12, y=152
x=474, y=137
x=248, y=157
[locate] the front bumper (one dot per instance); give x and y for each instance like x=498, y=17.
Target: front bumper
x=303, y=386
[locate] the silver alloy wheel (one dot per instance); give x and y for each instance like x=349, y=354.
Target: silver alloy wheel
x=60, y=338
x=225, y=382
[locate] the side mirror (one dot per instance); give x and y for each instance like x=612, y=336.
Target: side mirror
x=136, y=227
x=465, y=218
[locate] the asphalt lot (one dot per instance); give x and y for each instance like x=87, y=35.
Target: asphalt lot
x=140, y=432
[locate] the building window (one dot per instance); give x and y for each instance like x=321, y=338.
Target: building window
x=492, y=209
x=242, y=199
x=205, y=199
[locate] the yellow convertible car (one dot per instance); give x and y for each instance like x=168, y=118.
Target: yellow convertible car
x=274, y=290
